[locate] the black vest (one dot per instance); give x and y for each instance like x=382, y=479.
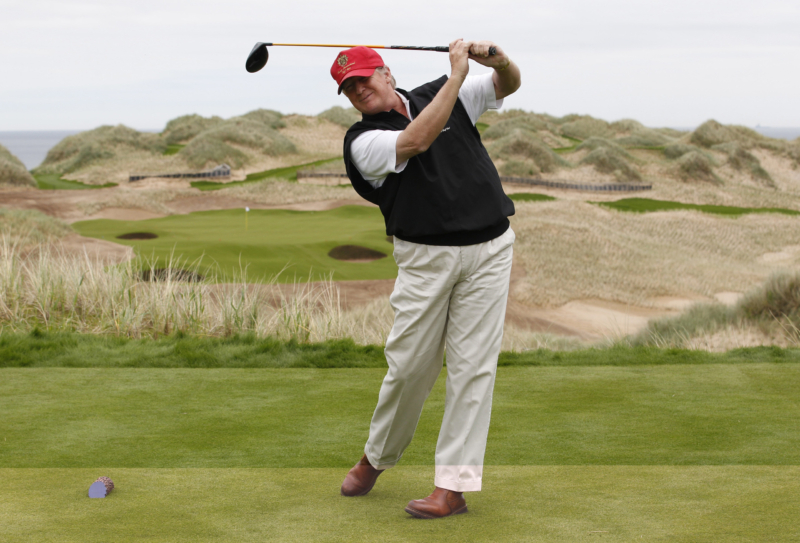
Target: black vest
x=448, y=195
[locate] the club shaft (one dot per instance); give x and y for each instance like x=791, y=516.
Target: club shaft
x=347, y=46
x=439, y=48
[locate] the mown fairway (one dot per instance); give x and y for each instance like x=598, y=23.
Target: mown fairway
x=268, y=242
x=624, y=453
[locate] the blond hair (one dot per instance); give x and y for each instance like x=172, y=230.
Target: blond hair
x=382, y=69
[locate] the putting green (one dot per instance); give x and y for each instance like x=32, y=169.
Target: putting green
x=267, y=242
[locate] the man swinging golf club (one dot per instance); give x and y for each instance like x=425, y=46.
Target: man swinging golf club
x=418, y=156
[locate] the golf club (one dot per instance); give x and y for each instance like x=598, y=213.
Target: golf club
x=258, y=57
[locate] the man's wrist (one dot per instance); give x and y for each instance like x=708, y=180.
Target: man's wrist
x=457, y=77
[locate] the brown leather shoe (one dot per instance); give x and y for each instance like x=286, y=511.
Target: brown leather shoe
x=442, y=503
x=360, y=479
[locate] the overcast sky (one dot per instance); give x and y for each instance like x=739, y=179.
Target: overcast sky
x=77, y=65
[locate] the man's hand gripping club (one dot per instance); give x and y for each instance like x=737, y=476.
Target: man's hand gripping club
x=419, y=135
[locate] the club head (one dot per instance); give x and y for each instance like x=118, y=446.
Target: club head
x=257, y=58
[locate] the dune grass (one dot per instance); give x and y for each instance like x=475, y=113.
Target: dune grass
x=645, y=205
x=772, y=308
x=184, y=128
x=28, y=227
x=98, y=146
x=574, y=250
x=266, y=242
x=608, y=157
x=12, y=171
x=288, y=173
x=524, y=154
x=341, y=116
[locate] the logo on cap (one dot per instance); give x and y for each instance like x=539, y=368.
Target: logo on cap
x=342, y=60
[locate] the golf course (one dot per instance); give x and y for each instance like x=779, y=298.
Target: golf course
x=280, y=245
x=216, y=347
x=700, y=452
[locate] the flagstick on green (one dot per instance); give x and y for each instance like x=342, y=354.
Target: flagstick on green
x=246, y=211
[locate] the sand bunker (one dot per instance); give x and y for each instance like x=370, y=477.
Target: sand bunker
x=355, y=253
x=171, y=274
x=138, y=235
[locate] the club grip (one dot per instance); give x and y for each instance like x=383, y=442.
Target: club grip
x=492, y=50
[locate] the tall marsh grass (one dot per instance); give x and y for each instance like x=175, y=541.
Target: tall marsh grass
x=25, y=228
x=48, y=288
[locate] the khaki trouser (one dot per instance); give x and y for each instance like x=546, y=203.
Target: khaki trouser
x=443, y=296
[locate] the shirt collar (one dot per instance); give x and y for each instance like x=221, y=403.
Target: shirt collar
x=406, y=104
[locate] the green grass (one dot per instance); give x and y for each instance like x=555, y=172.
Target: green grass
x=644, y=205
x=533, y=504
x=694, y=453
x=47, y=349
x=647, y=147
x=688, y=415
x=41, y=349
x=54, y=181
x=267, y=243
x=575, y=143
x=288, y=173
x=530, y=197
x=481, y=127
x=173, y=148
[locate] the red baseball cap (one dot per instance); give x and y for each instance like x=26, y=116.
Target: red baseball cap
x=358, y=61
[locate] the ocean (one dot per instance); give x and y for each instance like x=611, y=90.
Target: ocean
x=31, y=146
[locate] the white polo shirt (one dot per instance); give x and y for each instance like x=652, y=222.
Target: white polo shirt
x=374, y=153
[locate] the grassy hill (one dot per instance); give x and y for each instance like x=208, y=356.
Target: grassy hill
x=256, y=141
x=13, y=171
x=533, y=144
x=576, y=148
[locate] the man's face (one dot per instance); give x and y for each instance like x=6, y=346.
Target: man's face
x=371, y=95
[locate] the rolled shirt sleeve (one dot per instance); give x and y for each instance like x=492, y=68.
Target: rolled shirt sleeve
x=374, y=153
x=477, y=95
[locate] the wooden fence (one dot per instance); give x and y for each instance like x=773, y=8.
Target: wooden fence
x=222, y=170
